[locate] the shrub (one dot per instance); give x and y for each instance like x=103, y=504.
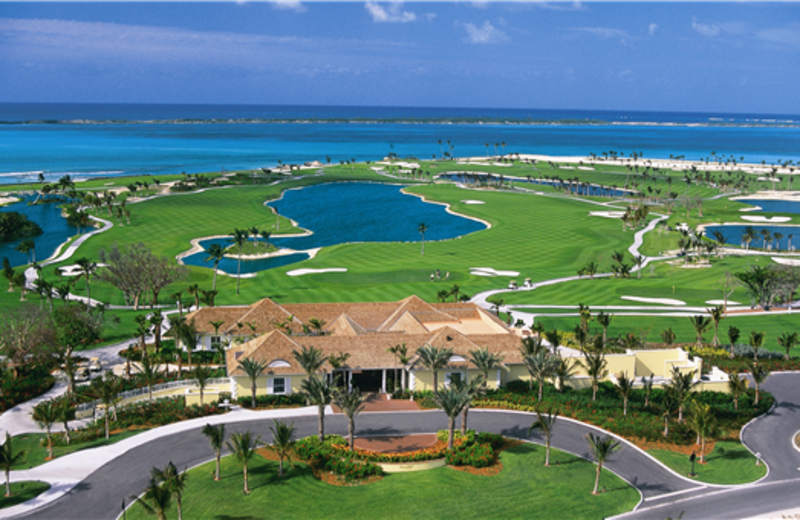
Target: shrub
x=444, y=435
x=25, y=387
x=746, y=351
x=330, y=456
x=477, y=455
x=271, y=401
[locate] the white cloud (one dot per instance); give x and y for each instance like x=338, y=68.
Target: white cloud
x=709, y=30
x=561, y=6
x=394, y=13
x=652, y=28
x=487, y=33
x=289, y=5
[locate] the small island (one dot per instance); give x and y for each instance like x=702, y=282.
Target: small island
x=14, y=226
x=250, y=249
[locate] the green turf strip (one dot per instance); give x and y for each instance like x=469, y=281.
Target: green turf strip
x=22, y=492
x=728, y=463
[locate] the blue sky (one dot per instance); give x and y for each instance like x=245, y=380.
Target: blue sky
x=725, y=57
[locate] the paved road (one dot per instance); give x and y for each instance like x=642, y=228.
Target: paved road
x=101, y=494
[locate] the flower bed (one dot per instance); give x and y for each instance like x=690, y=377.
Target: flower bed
x=328, y=456
x=267, y=402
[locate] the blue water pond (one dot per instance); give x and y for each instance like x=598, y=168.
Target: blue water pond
x=347, y=212
x=55, y=227
x=775, y=206
x=733, y=235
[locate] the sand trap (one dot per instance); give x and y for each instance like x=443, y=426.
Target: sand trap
x=722, y=302
x=754, y=208
x=473, y=202
x=786, y=261
x=73, y=270
x=488, y=271
x=766, y=219
x=566, y=167
x=607, y=214
x=8, y=200
x=587, y=168
x=663, y=301
x=301, y=272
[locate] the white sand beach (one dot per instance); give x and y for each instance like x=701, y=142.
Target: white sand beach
x=766, y=220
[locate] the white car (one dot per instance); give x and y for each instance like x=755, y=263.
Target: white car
x=95, y=365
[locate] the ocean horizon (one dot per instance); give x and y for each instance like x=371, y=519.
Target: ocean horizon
x=90, y=140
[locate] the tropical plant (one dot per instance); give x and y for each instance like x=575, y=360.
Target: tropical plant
x=540, y=367
x=716, y=314
x=624, y=387
x=106, y=389
x=546, y=422
x=604, y=320
x=601, y=449
x=244, y=446
x=310, y=358
x=86, y=268
x=668, y=336
x=595, y=365
x=788, y=341
x=564, y=369
x=239, y=238
x=703, y=422
x=756, y=341
x=700, y=324
x=422, y=228
x=319, y=394
x=215, y=253
x=351, y=403
x=681, y=386
x=434, y=359
x=149, y=373
x=452, y=401
x=174, y=482
x=668, y=406
x=46, y=414
x=155, y=500
x=760, y=373
x=737, y=386
x=202, y=374
x=473, y=388
x=647, y=386
x=486, y=361
x=282, y=443
x=253, y=369
x=215, y=436
x=187, y=333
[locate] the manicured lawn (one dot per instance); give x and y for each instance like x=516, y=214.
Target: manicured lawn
x=36, y=452
x=524, y=489
x=728, y=463
x=22, y=492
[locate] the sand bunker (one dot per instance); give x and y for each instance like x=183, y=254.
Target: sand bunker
x=766, y=219
x=663, y=301
x=74, y=269
x=786, y=261
x=301, y=272
x=754, y=208
x=473, y=202
x=607, y=214
x=587, y=168
x=722, y=302
x=488, y=271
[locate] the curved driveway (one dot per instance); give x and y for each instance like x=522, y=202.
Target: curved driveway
x=665, y=494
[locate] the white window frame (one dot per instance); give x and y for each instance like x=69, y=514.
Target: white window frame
x=448, y=376
x=287, y=385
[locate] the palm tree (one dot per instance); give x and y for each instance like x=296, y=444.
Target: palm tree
x=310, y=358
x=564, y=369
x=215, y=253
x=174, y=482
x=201, y=374
x=156, y=319
x=244, y=446
x=546, y=422
x=66, y=413
x=253, y=369
x=760, y=374
x=187, y=333
x=239, y=238
x=668, y=336
x=9, y=458
x=756, y=341
x=647, y=386
x=595, y=365
x=86, y=270
x=681, y=386
x=473, y=387
x=601, y=448
x=282, y=443
x=422, y=228
x=604, y=320
x=540, y=366
x=704, y=423
x=624, y=387
x=149, y=373
x=159, y=498
x=486, y=361
x=496, y=302
x=194, y=290
x=216, y=436
x=106, y=389
x=733, y=337
x=319, y=394
x=451, y=401
x=788, y=341
x=351, y=403
x=737, y=386
x=716, y=314
x=434, y=359
x=46, y=414
x=318, y=325
x=701, y=325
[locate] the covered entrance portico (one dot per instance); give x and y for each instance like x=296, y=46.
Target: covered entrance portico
x=372, y=380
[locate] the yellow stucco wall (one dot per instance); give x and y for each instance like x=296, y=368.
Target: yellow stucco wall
x=659, y=362
x=243, y=383
x=424, y=378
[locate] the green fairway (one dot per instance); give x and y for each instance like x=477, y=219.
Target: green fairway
x=525, y=488
x=22, y=492
x=728, y=463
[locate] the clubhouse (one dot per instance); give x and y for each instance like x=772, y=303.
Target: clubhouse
x=362, y=334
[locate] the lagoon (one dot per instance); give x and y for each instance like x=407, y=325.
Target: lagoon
x=48, y=216
x=733, y=235
x=349, y=212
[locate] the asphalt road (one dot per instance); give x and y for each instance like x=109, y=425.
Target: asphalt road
x=665, y=495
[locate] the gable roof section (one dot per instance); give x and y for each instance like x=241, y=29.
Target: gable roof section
x=267, y=348
x=414, y=305
x=263, y=314
x=203, y=318
x=344, y=326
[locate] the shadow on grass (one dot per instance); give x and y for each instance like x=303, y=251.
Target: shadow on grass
x=724, y=454
x=268, y=475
